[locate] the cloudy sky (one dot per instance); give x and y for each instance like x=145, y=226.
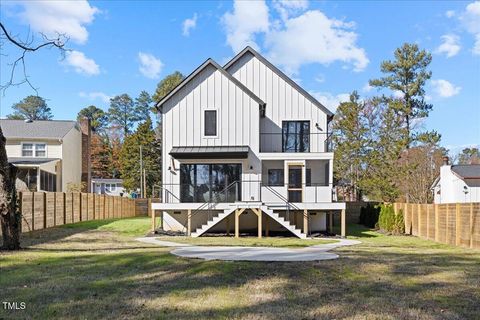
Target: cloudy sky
x=329, y=48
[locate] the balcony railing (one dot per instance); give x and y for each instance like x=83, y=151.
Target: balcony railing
x=245, y=191
x=295, y=142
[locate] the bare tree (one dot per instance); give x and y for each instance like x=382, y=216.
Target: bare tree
x=10, y=217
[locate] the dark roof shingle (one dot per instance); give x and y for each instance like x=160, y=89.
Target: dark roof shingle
x=43, y=129
x=467, y=171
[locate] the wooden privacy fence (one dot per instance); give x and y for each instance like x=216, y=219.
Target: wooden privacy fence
x=452, y=223
x=41, y=210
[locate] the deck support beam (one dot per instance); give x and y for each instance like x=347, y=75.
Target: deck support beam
x=238, y=212
x=258, y=212
x=305, y=221
x=189, y=222
x=343, y=219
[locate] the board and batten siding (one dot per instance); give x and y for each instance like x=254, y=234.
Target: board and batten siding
x=238, y=122
x=284, y=102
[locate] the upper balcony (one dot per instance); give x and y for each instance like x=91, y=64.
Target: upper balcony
x=296, y=142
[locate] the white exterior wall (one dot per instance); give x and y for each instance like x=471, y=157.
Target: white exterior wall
x=71, y=155
x=452, y=188
x=284, y=102
x=238, y=119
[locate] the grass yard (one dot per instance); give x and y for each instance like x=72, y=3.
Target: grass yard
x=96, y=270
x=284, y=242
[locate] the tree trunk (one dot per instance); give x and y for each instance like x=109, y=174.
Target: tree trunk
x=10, y=218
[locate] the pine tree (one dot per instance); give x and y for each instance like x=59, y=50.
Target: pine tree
x=130, y=158
x=143, y=105
x=32, y=108
x=122, y=113
x=98, y=118
x=407, y=74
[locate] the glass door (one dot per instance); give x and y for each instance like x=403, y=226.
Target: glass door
x=295, y=183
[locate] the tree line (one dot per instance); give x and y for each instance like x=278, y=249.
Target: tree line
x=381, y=150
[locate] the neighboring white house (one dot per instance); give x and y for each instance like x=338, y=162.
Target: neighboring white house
x=244, y=139
x=457, y=183
x=111, y=187
x=47, y=153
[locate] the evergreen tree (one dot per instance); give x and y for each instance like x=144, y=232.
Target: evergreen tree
x=349, y=139
x=98, y=118
x=32, y=108
x=469, y=156
x=122, y=113
x=143, y=105
x=407, y=74
x=166, y=85
x=130, y=158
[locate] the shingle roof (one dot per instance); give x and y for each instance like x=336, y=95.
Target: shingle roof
x=471, y=171
x=43, y=129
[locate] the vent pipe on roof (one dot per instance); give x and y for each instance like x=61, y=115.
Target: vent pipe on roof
x=28, y=120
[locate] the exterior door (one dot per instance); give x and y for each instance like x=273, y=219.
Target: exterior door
x=295, y=183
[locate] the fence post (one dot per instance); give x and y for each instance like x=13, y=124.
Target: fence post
x=44, y=210
x=471, y=224
x=447, y=224
x=33, y=211
x=457, y=224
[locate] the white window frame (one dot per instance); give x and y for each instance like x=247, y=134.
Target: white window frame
x=34, y=149
x=108, y=187
x=44, y=150
x=217, y=123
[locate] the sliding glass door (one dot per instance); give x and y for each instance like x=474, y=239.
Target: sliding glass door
x=209, y=182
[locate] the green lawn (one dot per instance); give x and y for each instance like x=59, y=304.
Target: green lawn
x=97, y=270
x=289, y=242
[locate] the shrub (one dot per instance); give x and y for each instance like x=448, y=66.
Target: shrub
x=369, y=215
x=389, y=221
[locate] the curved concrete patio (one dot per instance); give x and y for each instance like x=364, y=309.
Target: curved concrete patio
x=313, y=253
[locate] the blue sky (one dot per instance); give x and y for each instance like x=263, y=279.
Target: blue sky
x=330, y=48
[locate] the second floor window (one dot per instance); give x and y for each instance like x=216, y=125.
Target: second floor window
x=34, y=150
x=296, y=136
x=210, y=123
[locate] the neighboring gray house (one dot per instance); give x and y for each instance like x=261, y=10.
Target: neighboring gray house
x=48, y=153
x=457, y=183
x=244, y=139
x=111, y=187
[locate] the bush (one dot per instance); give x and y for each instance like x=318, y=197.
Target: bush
x=389, y=221
x=369, y=215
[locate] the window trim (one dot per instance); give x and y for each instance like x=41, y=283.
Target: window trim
x=34, y=149
x=217, y=113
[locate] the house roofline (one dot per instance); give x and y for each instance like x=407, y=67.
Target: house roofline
x=281, y=75
x=199, y=69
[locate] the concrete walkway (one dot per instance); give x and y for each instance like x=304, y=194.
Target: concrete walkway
x=313, y=253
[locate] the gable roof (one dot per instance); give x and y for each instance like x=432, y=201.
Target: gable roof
x=282, y=75
x=207, y=63
x=39, y=129
x=467, y=171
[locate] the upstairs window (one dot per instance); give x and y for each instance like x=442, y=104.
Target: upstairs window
x=296, y=136
x=210, y=123
x=275, y=177
x=34, y=150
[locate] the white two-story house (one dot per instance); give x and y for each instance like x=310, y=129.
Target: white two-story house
x=245, y=148
x=47, y=153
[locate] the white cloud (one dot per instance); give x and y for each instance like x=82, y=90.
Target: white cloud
x=398, y=94
x=367, y=88
x=95, y=95
x=444, y=88
x=80, y=63
x=329, y=100
x=150, y=66
x=450, y=45
x=470, y=19
x=450, y=13
x=247, y=19
x=299, y=38
x=52, y=17
x=189, y=24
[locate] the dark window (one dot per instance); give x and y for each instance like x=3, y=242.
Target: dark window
x=208, y=182
x=275, y=177
x=296, y=136
x=48, y=181
x=210, y=122
x=308, y=178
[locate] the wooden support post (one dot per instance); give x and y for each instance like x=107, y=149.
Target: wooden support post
x=305, y=221
x=343, y=219
x=457, y=224
x=189, y=222
x=228, y=226
x=153, y=220
x=267, y=226
x=471, y=224
x=259, y=219
x=237, y=218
